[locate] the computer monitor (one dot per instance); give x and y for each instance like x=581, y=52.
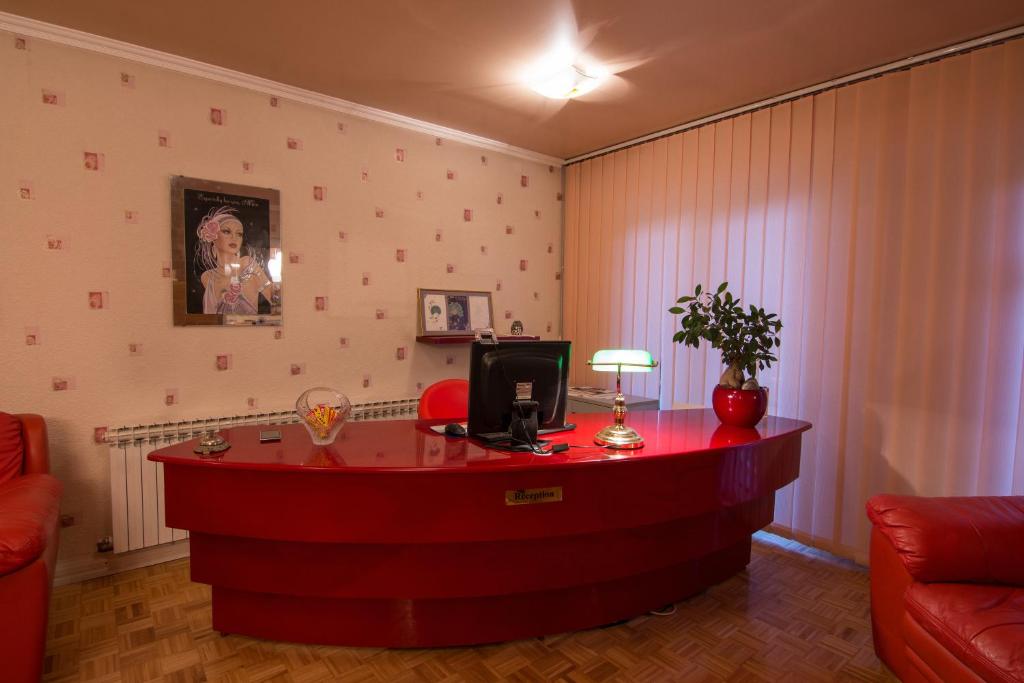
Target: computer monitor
x=517, y=390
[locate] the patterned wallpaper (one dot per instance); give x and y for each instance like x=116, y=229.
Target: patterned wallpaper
x=369, y=212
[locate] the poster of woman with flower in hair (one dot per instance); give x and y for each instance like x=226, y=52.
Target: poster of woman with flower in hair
x=226, y=254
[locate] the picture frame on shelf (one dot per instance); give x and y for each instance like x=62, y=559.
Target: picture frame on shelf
x=225, y=254
x=452, y=312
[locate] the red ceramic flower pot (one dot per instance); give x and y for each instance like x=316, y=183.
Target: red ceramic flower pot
x=739, y=407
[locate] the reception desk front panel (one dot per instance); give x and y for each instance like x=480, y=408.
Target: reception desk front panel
x=398, y=536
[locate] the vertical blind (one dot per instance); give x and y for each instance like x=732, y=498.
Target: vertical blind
x=884, y=222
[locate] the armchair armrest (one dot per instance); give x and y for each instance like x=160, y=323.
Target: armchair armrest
x=954, y=539
x=37, y=446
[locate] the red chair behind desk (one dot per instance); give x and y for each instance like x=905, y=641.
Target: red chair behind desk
x=947, y=587
x=445, y=400
x=29, y=515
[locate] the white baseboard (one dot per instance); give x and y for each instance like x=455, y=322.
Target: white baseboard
x=105, y=564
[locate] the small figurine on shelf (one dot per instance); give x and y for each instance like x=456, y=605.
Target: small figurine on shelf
x=517, y=328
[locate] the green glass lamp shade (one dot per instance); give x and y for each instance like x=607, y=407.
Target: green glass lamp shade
x=630, y=360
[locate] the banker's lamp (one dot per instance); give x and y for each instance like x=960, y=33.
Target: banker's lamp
x=619, y=361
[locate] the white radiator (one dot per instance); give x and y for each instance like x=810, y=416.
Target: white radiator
x=137, y=484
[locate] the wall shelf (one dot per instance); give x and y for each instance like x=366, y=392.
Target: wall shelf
x=439, y=340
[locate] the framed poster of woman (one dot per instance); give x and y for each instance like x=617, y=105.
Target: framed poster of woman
x=226, y=253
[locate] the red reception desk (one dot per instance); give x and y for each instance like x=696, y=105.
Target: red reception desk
x=396, y=536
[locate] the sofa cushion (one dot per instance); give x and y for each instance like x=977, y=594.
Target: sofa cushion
x=29, y=508
x=12, y=451
x=955, y=539
x=983, y=626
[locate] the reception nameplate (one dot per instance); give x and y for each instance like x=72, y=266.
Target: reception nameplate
x=552, y=494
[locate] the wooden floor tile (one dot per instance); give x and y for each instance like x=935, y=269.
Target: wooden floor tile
x=795, y=614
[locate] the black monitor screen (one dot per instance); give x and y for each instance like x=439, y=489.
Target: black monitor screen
x=511, y=370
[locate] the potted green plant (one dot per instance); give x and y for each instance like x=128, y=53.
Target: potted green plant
x=747, y=339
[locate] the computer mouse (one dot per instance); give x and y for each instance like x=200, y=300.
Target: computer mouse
x=454, y=429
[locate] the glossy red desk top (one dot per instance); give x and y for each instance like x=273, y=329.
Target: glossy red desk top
x=409, y=445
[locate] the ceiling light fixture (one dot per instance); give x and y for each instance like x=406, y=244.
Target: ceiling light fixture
x=561, y=76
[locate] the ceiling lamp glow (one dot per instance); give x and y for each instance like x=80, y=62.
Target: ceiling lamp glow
x=561, y=76
x=569, y=81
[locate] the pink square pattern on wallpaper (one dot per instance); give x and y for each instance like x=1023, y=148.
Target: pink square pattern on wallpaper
x=497, y=183
x=62, y=383
x=93, y=161
x=54, y=97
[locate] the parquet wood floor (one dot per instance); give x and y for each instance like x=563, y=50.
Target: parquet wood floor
x=795, y=614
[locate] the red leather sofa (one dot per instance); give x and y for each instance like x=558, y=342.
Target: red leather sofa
x=947, y=587
x=29, y=516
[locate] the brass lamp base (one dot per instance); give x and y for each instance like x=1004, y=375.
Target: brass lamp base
x=619, y=436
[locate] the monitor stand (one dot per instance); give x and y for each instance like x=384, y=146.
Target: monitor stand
x=522, y=430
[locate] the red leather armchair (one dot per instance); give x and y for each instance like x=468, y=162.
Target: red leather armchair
x=29, y=515
x=947, y=587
